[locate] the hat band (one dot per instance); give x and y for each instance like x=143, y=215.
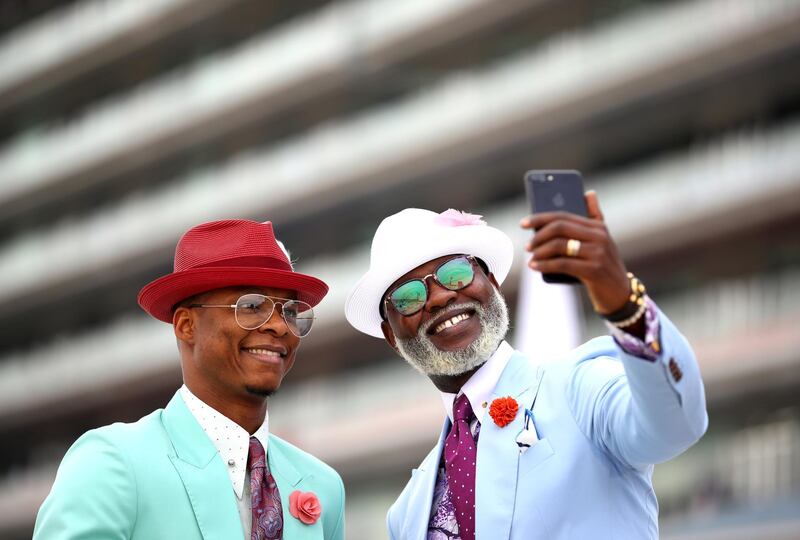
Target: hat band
x=252, y=261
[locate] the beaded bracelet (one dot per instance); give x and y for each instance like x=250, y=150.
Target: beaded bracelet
x=633, y=319
x=633, y=309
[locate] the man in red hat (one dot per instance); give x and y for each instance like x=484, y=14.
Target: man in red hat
x=206, y=465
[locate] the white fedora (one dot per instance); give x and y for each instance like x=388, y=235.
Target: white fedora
x=413, y=237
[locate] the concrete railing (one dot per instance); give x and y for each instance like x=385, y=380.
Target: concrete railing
x=706, y=185
x=69, y=41
x=296, y=61
x=576, y=76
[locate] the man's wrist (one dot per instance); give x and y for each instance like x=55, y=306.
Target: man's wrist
x=633, y=309
x=646, y=344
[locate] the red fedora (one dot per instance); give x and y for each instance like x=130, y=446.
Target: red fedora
x=225, y=254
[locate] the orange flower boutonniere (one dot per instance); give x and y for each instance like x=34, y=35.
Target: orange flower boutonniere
x=503, y=410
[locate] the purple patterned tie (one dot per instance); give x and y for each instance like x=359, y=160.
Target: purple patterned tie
x=459, y=461
x=264, y=497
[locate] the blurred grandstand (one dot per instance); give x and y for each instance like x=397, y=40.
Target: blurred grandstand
x=125, y=122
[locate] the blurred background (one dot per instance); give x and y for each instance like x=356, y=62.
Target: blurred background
x=125, y=122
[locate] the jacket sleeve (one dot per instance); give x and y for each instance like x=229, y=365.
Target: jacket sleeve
x=390, y=526
x=641, y=412
x=94, y=494
x=337, y=532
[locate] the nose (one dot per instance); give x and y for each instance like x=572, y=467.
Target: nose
x=438, y=296
x=275, y=324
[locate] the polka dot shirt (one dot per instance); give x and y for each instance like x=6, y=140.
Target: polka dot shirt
x=233, y=444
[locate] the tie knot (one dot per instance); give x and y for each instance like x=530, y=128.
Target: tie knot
x=256, y=457
x=462, y=410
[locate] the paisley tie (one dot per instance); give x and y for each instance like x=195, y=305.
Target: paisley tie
x=265, y=499
x=460, y=453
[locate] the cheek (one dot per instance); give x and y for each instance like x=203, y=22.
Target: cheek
x=287, y=365
x=220, y=342
x=292, y=343
x=292, y=356
x=479, y=291
x=405, y=327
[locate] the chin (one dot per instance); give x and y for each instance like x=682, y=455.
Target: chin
x=263, y=391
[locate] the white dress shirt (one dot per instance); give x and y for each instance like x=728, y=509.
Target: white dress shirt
x=480, y=386
x=232, y=442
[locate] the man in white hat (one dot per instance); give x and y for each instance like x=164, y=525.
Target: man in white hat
x=562, y=451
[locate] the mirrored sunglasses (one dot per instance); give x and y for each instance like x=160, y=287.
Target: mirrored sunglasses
x=253, y=310
x=454, y=274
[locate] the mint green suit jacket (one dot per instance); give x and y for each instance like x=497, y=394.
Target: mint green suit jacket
x=161, y=477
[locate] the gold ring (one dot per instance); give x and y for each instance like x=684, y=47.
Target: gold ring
x=573, y=247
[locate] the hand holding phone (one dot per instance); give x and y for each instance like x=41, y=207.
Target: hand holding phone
x=553, y=191
x=572, y=242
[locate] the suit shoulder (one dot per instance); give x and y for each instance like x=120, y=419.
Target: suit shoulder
x=126, y=434
x=131, y=444
x=101, y=467
x=598, y=357
x=304, y=460
x=602, y=347
x=598, y=346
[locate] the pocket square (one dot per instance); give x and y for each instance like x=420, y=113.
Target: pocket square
x=527, y=436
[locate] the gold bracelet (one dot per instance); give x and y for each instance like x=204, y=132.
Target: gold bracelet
x=637, y=289
x=634, y=304
x=633, y=319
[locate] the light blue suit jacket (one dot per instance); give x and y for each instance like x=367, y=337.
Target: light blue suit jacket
x=161, y=477
x=603, y=418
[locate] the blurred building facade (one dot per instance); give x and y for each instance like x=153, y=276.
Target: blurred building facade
x=125, y=122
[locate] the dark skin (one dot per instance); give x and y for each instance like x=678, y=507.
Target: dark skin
x=598, y=266
x=436, y=309
x=228, y=367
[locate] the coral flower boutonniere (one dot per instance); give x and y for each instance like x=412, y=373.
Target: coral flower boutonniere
x=503, y=410
x=305, y=506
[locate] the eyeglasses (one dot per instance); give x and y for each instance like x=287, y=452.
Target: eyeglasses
x=454, y=274
x=253, y=310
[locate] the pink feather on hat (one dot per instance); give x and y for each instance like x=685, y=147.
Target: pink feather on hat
x=456, y=218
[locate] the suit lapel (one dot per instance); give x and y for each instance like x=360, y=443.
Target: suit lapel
x=290, y=479
x=498, y=453
x=203, y=474
x=420, y=499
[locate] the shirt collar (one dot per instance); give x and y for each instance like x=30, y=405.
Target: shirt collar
x=230, y=439
x=481, y=385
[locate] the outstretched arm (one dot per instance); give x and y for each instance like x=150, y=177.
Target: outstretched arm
x=650, y=407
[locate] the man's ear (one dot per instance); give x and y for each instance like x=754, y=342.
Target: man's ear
x=493, y=280
x=183, y=324
x=388, y=333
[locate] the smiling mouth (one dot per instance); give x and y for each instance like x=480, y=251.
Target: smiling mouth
x=269, y=355
x=263, y=352
x=450, y=321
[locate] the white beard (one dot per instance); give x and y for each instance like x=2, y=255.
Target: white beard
x=426, y=358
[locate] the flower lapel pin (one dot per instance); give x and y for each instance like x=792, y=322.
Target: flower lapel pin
x=305, y=506
x=503, y=410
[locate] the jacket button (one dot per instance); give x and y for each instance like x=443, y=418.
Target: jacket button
x=674, y=370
